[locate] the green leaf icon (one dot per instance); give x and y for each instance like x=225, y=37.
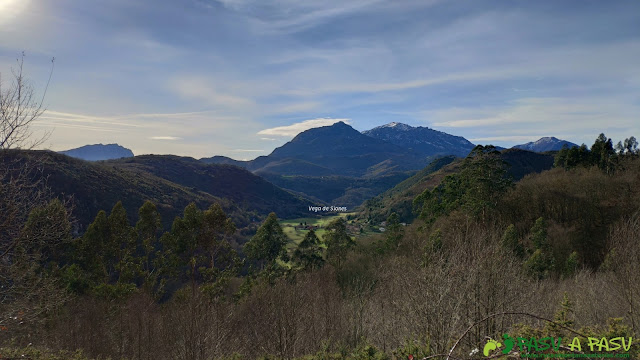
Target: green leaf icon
x=490, y=346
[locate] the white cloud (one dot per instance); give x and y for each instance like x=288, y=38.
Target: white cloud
x=202, y=133
x=578, y=120
x=294, y=129
x=197, y=88
x=165, y=138
x=515, y=138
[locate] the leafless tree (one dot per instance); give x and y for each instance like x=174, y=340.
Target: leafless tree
x=19, y=108
x=22, y=189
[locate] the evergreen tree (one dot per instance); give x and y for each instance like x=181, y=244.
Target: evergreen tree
x=216, y=226
x=338, y=241
x=560, y=160
x=563, y=318
x=631, y=145
x=147, y=228
x=394, y=232
x=539, y=234
x=268, y=244
x=121, y=248
x=181, y=246
x=541, y=262
x=603, y=155
x=91, y=250
x=476, y=188
x=223, y=261
x=308, y=255
x=511, y=242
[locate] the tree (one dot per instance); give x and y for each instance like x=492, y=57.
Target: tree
x=91, y=249
x=31, y=284
x=338, y=241
x=21, y=189
x=308, y=255
x=147, y=228
x=223, y=261
x=603, y=155
x=197, y=241
x=511, y=242
x=476, y=188
x=539, y=234
x=268, y=244
x=122, y=245
x=631, y=145
x=541, y=262
x=19, y=108
x=394, y=231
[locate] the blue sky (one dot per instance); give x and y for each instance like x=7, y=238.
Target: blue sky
x=241, y=77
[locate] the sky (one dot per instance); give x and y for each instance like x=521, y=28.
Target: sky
x=241, y=77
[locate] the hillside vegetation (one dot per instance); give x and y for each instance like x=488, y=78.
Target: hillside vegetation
x=554, y=254
x=170, y=182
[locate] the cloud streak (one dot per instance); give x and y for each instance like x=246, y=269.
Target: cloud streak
x=296, y=128
x=170, y=138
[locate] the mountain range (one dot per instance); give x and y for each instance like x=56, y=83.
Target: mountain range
x=337, y=150
x=334, y=165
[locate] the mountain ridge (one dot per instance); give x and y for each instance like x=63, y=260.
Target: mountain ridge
x=97, y=152
x=421, y=139
x=547, y=143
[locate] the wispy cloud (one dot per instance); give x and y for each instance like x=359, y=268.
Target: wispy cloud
x=294, y=129
x=171, y=138
x=199, y=89
x=528, y=119
x=241, y=74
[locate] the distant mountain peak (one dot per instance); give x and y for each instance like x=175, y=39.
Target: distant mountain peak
x=340, y=124
x=97, y=152
x=395, y=126
x=421, y=139
x=547, y=143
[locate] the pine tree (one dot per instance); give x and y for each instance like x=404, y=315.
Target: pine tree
x=511, y=242
x=563, y=318
x=539, y=234
x=541, y=262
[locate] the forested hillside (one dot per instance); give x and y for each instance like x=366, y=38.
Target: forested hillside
x=481, y=247
x=170, y=182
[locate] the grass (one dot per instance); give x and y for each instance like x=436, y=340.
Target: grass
x=296, y=236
